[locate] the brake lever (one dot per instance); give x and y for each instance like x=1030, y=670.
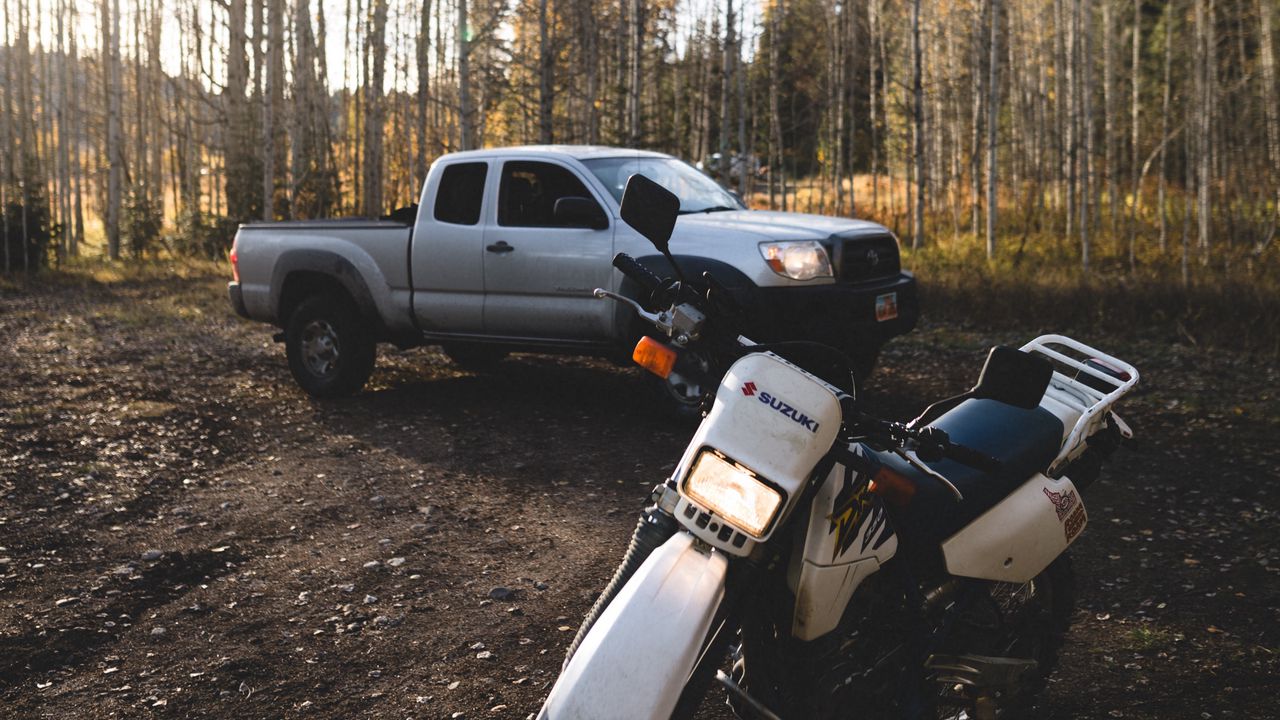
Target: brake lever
x=661, y=320
x=915, y=463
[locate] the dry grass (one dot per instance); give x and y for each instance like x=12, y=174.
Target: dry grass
x=1229, y=298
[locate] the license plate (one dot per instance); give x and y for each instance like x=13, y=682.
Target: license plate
x=886, y=306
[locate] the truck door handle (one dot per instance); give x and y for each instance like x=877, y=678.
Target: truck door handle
x=499, y=247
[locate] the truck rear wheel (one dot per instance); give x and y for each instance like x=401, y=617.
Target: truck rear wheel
x=330, y=353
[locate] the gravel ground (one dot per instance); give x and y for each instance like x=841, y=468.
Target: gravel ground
x=183, y=533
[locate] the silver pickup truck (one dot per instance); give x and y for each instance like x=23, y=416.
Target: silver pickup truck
x=506, y=246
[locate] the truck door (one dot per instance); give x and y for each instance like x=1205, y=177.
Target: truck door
x=539, y=273
x=448, y=271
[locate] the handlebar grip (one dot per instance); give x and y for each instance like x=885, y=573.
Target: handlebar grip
x=637, y=272
x=973, y=458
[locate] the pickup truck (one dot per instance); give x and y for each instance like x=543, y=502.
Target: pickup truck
x=506, y=246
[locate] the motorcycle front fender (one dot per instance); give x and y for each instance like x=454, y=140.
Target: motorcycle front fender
x=635, y=660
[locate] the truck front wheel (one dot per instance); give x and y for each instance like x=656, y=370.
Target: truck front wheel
x=330, y=353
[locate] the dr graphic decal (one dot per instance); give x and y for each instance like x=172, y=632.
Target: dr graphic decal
x=853, y=511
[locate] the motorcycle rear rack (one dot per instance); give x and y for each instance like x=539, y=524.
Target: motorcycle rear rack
x=1067, y=387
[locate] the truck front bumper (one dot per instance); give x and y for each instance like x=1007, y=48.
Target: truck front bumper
x=236, y=297
x=843, y=315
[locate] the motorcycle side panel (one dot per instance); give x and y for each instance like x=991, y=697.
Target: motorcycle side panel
x=772, y=417
x=848, y=538
x=634, y=662
x=1018, y=538
x=823, y=593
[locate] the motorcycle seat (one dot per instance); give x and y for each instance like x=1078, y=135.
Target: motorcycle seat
x=1025, y=441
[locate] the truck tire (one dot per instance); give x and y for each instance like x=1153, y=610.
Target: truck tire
x=330, y=352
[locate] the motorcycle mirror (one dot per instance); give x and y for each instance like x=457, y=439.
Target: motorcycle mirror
x=1013, y=377
x=651, y=209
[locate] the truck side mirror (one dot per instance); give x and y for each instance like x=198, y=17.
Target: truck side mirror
x=651, y=209
x=574, y=211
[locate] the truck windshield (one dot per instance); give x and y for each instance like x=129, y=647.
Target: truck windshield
x=697, y=192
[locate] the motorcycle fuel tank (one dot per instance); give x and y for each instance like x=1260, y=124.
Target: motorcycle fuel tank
x=771, y=418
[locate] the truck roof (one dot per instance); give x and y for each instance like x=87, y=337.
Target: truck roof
x=577, y=152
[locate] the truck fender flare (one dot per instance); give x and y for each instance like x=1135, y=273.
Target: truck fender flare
x=332, y=266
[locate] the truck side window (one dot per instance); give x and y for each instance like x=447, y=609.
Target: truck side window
x=529, y=190
x=460, y=193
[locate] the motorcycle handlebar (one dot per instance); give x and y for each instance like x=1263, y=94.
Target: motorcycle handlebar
x=637, y=272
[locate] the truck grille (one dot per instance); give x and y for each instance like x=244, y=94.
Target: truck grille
x=866, y=258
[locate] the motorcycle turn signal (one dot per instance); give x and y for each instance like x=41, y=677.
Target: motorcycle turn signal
x=654, y=356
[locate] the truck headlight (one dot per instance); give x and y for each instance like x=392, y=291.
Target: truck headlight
x=798, y=260
x=732, y=492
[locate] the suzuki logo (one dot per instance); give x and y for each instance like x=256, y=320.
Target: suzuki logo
x=749, y=389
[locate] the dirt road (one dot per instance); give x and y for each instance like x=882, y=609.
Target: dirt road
x=183, y=533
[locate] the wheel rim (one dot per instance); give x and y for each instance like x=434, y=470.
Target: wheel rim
x=320, y=347
x=686, y=388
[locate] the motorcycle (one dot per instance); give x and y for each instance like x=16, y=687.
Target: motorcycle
x=839, y=564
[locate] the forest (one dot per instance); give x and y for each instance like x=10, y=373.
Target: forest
x=1092, y=138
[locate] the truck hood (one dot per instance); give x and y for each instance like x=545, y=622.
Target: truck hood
x=741, y=226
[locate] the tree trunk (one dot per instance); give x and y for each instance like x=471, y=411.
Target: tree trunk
x=1135, y=129
x=1269, y=100
x=993, y=119
x=546, y=83
x=115, y=149
x=1164, y=128
x=6, y=162
x=1086, y=113
x=1108, y=110
x=980, y=41
x=726, y=78
x=272, y=97
x=917, y=112
x=424, y=88
x=744, y=151
x=775, y=119
x=464, y=79
x=636, y=67
x=375, y=112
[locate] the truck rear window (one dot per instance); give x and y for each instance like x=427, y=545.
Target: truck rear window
x=461, y=192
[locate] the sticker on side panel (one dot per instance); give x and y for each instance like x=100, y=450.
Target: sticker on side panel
x=1074, y=524
x=886, y=306
x=1062, y=502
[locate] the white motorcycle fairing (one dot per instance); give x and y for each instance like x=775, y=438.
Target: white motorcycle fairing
x=1018, y=538
x=635, y=660
x=847, y=539
x=772, y=417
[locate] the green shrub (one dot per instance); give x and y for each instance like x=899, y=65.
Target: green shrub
x=25, y=229
x=141, y=222
x=202, y=235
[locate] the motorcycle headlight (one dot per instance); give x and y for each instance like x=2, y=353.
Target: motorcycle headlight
x=733, y=492
x=802, y=260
